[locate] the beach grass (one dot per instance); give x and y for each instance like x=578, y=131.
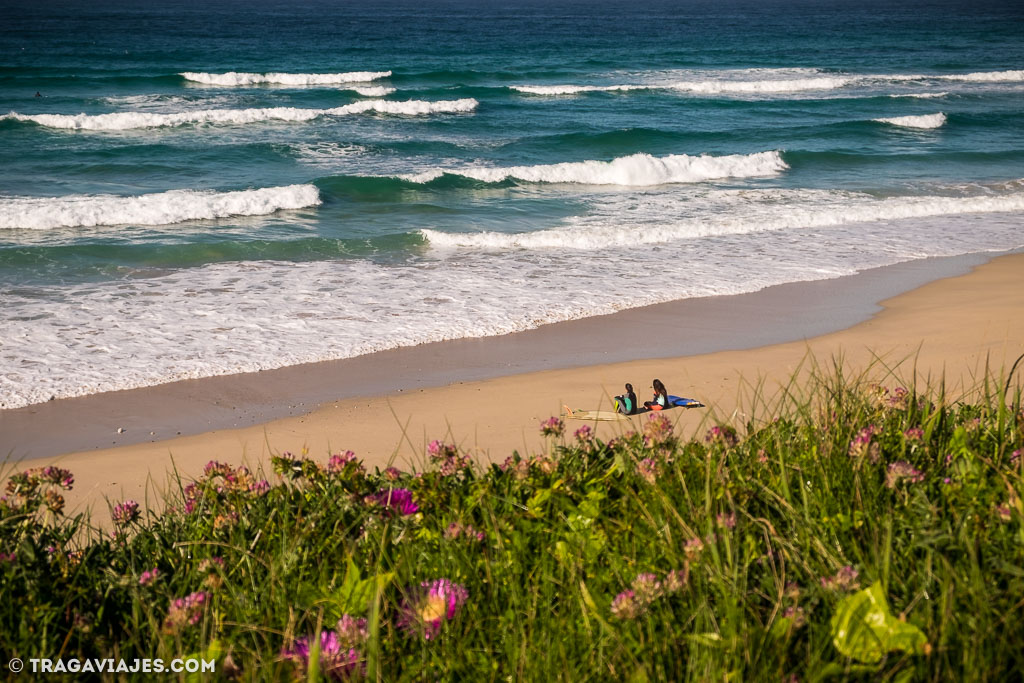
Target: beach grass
x=843, y=531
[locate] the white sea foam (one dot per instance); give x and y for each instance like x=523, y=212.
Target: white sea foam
x=573, y=89
x=701, y=86
x=324, y=154
x=245, y=78
x=633, y=170
x=754, y=82
x=70, y=340
x=924, y=121
x=984, y=76
x=164, y=208
x=134, y=120
x=922, y=96
x=754, y=212
x=372, y=90
x=714, y=87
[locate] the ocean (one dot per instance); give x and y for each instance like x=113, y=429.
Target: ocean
x=190, y=189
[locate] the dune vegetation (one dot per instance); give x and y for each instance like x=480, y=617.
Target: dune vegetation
x=844, y=530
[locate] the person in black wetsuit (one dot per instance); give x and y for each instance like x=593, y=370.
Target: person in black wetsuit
x=626, y=403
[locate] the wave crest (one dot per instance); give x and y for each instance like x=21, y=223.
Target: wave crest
x=133, y=120
x=770, y=81
x=246, y=78
x=164, y=208
x=635, y=170
x=845, y=212
x=926, y=121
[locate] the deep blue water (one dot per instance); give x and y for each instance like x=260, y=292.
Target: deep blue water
x=204, y=188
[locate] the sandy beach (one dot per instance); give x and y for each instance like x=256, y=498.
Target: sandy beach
x=498, y=390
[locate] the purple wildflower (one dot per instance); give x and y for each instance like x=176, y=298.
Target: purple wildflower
x=457, y=529
x=211, y=568
x=844, y=580
x=722, y=434
x=259, y=488
x=658, y=430
x=125, y=513
x=901, y=471
x=647, y=588
x=340, y=462
x=149, y=576
x=726, y=520
x=860, y=443
x=8, y=558
x=54, y=501
x=649, y=469
x=438, y=450
x=693, y=548
x=676, y=579
x=351, y=631
x=1004, y=512
x=396, y=501
x=187, y=611
x=392, y=474
x=552, y=426
x=626, y=606
x=336, y=661
x=898, y=399
x=796, y=615
x=584, y=434
x=425, y=611
x=915, y=434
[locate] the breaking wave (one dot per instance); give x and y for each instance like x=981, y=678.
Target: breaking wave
x=633, y=170
x=133, y=120
x=245, y=78
x=841, y=211
x=924, y=122
x=164, y=208
x=754, y=82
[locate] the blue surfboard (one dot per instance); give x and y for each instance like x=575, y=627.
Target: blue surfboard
x=684, y=402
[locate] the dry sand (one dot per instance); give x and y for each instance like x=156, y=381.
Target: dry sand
x=951, y=328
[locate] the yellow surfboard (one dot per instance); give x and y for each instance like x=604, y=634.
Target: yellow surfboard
x=602, y=415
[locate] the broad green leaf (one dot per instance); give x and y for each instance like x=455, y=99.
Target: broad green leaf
x=354, y=595
x=865, y=630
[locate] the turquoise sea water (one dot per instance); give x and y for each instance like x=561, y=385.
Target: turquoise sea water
x=207, y=188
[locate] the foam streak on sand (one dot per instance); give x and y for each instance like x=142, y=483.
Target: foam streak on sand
x=135, y=120
x=633, y=170
x=163, y=208
x=926, y=121
x=245, y=78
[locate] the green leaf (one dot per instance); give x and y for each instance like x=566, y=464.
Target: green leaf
x=214, y=651
x=865, y=630
x=780, y=627
x=354, y=595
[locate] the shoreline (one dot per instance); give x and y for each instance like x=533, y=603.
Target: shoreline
x=953, y=328
x=683, y=328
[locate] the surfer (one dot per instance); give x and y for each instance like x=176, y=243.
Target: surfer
x=38, y=94
x=660, y=400
x=626, y=403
